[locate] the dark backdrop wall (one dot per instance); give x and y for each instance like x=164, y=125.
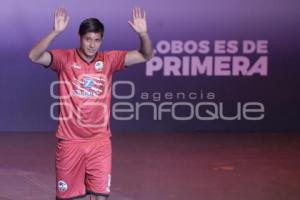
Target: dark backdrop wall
x=220, y=65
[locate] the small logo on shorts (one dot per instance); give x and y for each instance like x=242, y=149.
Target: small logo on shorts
x=108, y=183
x=62, y=186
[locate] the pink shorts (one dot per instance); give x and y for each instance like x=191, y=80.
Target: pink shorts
x=83, y=167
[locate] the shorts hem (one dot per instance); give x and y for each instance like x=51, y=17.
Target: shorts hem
x=71, y=198
x=97, y=193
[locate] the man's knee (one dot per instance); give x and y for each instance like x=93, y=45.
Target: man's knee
x=94, y=197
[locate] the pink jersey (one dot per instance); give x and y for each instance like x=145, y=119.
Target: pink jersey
x=85, y=93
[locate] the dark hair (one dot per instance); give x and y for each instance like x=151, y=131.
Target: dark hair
x=91, y=25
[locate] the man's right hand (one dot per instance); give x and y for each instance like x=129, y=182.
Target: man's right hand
x=61, y=20
x=39, y=54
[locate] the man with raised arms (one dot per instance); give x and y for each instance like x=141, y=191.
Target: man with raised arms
x=83, y=152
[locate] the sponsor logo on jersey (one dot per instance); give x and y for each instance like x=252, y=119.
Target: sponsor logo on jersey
x=88, y=82
x=88, y=86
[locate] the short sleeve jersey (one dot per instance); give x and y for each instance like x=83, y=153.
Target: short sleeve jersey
x=84, y=92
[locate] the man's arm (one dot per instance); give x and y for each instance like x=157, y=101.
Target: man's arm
x=145, y=52
x=39, y=54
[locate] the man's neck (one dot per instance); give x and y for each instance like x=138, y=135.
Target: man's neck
x=86, y=58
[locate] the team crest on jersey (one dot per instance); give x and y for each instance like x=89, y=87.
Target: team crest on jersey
x=99, y=65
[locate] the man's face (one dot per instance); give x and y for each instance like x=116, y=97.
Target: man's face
x=90, y=43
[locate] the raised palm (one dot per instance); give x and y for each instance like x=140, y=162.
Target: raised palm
x=138, y=23
x=61, y=20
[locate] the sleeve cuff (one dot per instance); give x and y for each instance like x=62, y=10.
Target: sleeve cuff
x=51, y=61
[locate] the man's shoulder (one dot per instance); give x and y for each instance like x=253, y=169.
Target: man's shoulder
x=112, y=52
x=63, y=51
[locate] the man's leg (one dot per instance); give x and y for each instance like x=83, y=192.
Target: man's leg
x=70, y=170
x=94, y=197
x=98, y=170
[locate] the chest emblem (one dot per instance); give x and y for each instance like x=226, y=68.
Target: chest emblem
x=99, y=65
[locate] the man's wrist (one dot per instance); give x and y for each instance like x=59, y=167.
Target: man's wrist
x=143, y=34
x=55, y=33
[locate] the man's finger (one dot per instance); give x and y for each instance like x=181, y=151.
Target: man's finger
x=139, y=12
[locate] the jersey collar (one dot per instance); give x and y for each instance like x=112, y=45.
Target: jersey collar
x=77, y=52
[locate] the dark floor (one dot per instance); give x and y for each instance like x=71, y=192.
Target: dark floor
x=185, y=166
